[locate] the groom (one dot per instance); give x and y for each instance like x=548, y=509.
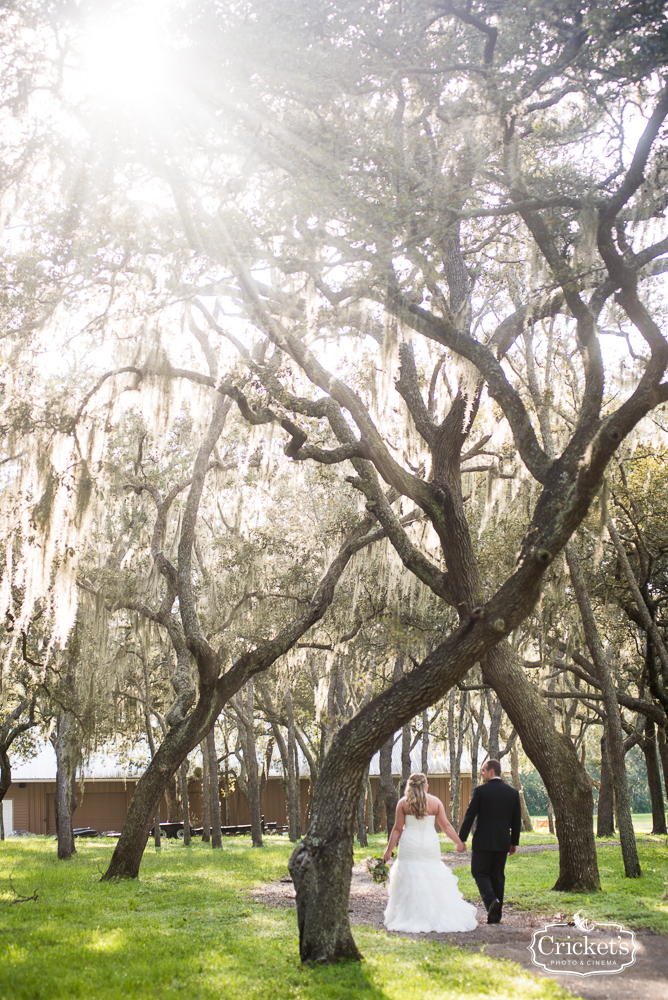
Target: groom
x=497, y=834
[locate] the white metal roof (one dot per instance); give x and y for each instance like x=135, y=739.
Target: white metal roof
x=111, y=766
x=42, y=767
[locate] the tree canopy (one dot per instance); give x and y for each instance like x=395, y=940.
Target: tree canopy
x=315, y=313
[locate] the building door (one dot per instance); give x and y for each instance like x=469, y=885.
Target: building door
x=8, y=816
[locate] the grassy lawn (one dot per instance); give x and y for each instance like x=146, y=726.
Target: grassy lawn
x=642, y=822
x=187, y=929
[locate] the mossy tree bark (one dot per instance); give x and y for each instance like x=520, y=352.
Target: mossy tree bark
x=662, y=744
x=649, y=749
x=556, y=760
x=67, y=746
x=361, y=818
x=252, y=777
x=294, y=822
x=214, y=791
x=206, y=793
x=387, y=793
x=185, y=800
x=614, y=732
x=605, y=823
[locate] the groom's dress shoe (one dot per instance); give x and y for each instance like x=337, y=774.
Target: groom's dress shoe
x=494, y=913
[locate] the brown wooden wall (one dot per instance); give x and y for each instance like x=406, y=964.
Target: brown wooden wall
x=439, y=785
x=104, y=804
x=273, y=803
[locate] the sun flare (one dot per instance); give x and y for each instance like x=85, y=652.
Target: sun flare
x=126, y=60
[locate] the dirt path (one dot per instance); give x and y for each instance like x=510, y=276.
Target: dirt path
x=647, y=979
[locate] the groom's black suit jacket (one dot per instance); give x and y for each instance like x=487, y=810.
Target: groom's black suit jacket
x=497, y=807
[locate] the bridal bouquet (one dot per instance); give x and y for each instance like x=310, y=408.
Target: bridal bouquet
x=379, y=871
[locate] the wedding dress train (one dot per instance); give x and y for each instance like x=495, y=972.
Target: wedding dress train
x=423, y=891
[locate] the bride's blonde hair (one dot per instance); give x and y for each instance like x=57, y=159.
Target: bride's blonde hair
x=416, y=795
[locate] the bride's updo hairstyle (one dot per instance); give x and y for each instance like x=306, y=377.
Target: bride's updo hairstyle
x=416, y=795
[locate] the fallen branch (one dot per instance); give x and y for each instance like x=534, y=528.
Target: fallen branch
x=20, y=898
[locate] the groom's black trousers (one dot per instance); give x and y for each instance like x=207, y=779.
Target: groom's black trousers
x=488, y=869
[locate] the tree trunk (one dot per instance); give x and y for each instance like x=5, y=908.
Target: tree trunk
x=370, y=804
x=654, y=779
x=495, y=709
x=206, y=794
x=454, y=763
x=266, y=766
x=228, y=796
x=386, y=789
x=527, y=825
x=424, y=763
x=321, y=866
x=361, y=818
x=214, y=790
x=475, y=744
x=378, y=808
x=557, y=762
x=251, y=768
x=178, y=742
x=456, y=730
x=662, y=744
x=405, y=758
x=226, y=779
x=283, y=753
x=65, y=744
x=183, y=781
x=613, y=722
x=292, y=781
x=298, y=782
x=605, y=823
x=157, y=834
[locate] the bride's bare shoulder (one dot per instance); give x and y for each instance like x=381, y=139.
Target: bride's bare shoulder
x=433, y=804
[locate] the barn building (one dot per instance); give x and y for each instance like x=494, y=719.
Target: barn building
x=107, y=786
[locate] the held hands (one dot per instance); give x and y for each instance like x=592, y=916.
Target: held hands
x=512, y=849
x=461, y=847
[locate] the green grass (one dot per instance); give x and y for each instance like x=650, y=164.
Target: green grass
x=642, y=822
x=187, y=929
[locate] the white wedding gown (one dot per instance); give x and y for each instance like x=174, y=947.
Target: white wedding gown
x=423, y=891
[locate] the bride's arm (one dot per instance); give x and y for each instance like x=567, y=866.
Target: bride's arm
x=446, y=826
x=397, y=830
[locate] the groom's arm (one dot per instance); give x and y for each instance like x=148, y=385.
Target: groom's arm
x=471, y=813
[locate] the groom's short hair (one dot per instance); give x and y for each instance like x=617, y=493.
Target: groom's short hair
x=494, y=765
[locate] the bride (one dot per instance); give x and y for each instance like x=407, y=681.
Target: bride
x=423, y=891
